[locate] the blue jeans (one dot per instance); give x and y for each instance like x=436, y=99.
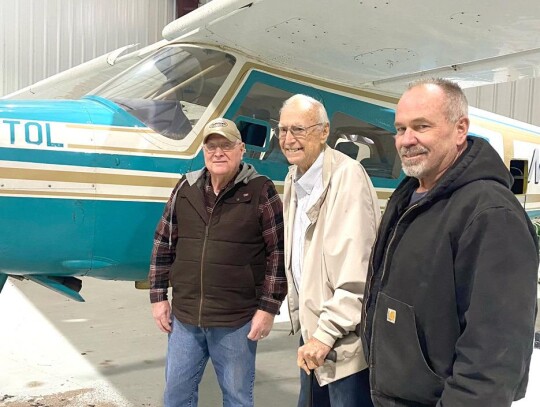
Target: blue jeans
x=351, y=391
x=233, y=357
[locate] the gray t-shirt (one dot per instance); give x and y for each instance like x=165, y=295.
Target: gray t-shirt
x=416, y=196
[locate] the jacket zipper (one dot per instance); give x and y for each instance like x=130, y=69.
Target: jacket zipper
x=385, y=262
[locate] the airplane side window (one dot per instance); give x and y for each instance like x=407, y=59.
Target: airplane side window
x=263, y=103
x=253, y=133
x=372, y=146
x=169, y=90
x=262, y=100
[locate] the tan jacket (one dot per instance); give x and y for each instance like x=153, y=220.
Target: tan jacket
x=336, y=255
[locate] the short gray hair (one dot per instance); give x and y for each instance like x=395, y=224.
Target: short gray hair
x=456, y=101
x=308, y=103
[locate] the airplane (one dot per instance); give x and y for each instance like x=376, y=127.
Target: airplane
x=89, y=157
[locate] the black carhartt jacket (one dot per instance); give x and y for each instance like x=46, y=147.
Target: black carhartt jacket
x=450, y=301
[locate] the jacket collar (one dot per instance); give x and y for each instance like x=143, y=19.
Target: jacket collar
x=328, y=165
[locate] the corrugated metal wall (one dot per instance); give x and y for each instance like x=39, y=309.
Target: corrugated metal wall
x=39, y=38
x=519, y=100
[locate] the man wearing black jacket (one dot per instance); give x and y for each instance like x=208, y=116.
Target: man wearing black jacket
x=450, y=301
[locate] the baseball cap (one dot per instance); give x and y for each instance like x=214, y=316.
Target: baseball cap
x=223, y=127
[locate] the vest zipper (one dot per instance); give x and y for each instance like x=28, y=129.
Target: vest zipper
x=202, y=269
x=206, y=231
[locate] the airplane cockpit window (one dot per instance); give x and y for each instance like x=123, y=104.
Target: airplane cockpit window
x=169, y=90
x=372, y=146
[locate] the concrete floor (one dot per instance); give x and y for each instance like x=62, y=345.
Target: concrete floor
x=110, y=348
x=107, y=352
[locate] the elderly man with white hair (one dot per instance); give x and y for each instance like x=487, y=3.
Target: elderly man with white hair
x=331, y=217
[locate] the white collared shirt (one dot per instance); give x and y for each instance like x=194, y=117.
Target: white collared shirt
x=309, y=188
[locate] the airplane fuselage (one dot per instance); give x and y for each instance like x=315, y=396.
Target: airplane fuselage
x=83, y=183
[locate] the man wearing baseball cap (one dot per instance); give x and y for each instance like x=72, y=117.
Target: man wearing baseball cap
x=219, y=245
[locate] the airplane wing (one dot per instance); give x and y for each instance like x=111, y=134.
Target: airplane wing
x=78, y=81
x=378, y=45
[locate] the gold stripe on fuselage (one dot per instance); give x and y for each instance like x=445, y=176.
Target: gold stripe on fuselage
x=125, y=149
x=89, y=195
x=88, y=177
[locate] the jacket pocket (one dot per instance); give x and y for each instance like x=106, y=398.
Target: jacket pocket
x=230, y=289
x=400, y=368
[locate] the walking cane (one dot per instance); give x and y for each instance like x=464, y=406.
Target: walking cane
x=331, y=356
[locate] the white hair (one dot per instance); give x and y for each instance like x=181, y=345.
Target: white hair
x=307, y=103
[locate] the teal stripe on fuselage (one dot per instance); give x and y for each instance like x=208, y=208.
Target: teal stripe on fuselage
x=115, y=161
x=89, y=110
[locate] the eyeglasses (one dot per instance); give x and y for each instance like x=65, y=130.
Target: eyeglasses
x=296, y=131
x=225, y=146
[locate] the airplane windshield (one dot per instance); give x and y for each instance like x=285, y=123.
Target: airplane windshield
x=169, y=90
